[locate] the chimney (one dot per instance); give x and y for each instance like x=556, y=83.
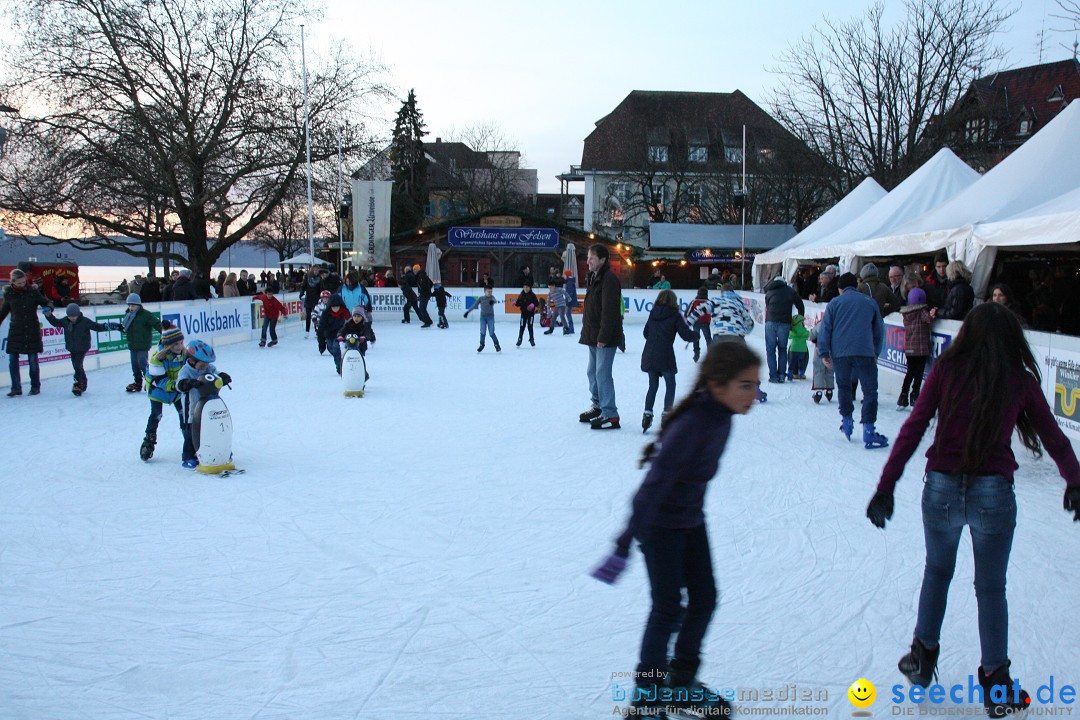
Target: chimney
x=438, y=140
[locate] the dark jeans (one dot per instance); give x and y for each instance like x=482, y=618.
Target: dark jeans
x=677, y=559
x=700, y=328
x=863, y=369
x=776, y=337
x=269, y=324
x=185, y=429
x=797, y=362
x=77, y=358
x=307, y=317
x=988, y=508
x=139, y=360
x=335, y=352
x=16, y=377
x=526, y=322
x=410, y=302
x=421, y=310
x=654, y=385
x=916, y=365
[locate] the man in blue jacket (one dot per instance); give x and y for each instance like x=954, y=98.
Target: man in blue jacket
x=850, y=338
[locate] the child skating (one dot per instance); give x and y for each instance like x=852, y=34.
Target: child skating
x=918, y=317
x=138, y=327
x=529, y=304
x=198, y=360
x=272, y=310
x=823, y=381
x=798, y=352
x=164, y=370
x=441, y=296
x=77, y=341
x=669, y=523
x=486, y=303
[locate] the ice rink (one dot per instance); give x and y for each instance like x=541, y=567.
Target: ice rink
x=423, y=552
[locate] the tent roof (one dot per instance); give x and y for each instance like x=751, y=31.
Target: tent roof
x=851, y=206
x=1054, y=222
x=939, y=179
x=303, y=259
x=717, y=237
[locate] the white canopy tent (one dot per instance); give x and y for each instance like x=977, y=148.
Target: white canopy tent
x=1045, y=167
x=856, y=202
x=939, y=179
x=303, y=259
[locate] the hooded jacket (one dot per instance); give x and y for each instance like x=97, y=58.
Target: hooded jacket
x=798, y=335
x=663, y=325
x=24, y=332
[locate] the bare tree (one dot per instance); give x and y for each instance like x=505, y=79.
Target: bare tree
x=172, y=128
x=862, y=94
x=497, y=180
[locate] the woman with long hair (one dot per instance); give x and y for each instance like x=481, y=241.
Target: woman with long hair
x=669, y=523
x=982, y=387
x=658, y=355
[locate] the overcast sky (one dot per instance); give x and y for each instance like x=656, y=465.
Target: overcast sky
x=545, y=72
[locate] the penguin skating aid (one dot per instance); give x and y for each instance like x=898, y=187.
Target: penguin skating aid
x=211, y=428
x=353, y=368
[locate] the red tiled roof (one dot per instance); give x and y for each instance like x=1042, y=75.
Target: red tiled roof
x=1011, y=94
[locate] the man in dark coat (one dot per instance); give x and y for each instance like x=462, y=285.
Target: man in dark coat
x=602, y=333
x=151, y=290
x=182, y=289
x=309, y=293
x=24, y=333
x=779, y=299
x=408, y=289
x=200, y=285
x=423, y=287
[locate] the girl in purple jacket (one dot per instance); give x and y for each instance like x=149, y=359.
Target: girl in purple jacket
x=969, y=481
x=669, y=523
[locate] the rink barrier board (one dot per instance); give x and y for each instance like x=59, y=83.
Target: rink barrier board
x=231, y=320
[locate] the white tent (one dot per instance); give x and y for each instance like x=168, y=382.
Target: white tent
x=856, y=202
x=939, y=179
x=1045, y=167
x=303, y=259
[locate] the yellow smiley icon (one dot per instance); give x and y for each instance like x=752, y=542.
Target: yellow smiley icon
x=862, y=693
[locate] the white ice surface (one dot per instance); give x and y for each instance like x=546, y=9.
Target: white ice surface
x=423, y=552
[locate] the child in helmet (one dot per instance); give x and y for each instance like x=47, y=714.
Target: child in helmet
x=441, y=296
x=316, y=316
x=165, y=365
x=199, y=359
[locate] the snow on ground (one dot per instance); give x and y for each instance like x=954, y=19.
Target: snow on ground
x=424, y=551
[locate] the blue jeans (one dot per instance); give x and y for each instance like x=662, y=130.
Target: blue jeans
x=16, y=377
x=863, y=369
x=601, y=383
x=700, y=328
x=654, y=385
x=487, y=325
x=269, y=324
x=776, y=337
x=139, y=360
x=677, y=559
x=570, y=318
x=988, y=508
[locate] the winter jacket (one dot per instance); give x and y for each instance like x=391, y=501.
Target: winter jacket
x=201, y=287
x=571, y=292
x=182, y=289
x=162, y=375
x=272, y=307
x=309, y=291
x=603, y=317
x=138, y=327
x=441, y=296
x=730, y=315
x=660, y=329
x=316, y=313
x=917, y=323
x=959, y=301
x=886, y=301
x=76, y=330
x=557, y=297
x=779, y=299
x=230, y=290
x=525, y=299
x=700, y=310
x=423, y=285
x=946, y=453
x=191, y=395
x=360, y=329
x=331, y=283
x=150, y=291
x=353, y=296
x=673, y=492
x=408, y=282
x=24, y=332
x=332, y=321
x=486, y=305
x=798, y=335
x=852, y=327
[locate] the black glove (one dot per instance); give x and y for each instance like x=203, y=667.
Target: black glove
x=185, y=384
x=880, y=508
x=225, y=378
x=1072, y=501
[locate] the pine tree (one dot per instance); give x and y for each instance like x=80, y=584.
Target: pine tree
x=409, y=167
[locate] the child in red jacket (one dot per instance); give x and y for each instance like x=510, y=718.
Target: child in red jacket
x=272, y=310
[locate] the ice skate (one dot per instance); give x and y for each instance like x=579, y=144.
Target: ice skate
x=847, y=426
x=481, y=348
x=828, y=395
x=1013, y=703
x=693, y=698
x=646, y=421
x=902, y=402
x=591, y=414
x=273, y=343
x=76, y=389
x=817, y=397
x=603, y=423
x=872, y=438
x=132, y=387
x=146, y=451
x=920, y=665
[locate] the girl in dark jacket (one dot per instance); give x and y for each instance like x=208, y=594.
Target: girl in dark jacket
x=658, y=357
x=669, y=523
x=529, y=304
x=969, y=481
x=21, y=301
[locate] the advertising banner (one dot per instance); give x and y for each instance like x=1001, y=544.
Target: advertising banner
x=371, y=222
x=516, y=238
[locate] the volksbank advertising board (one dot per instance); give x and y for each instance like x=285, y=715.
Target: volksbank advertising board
x=515, y=238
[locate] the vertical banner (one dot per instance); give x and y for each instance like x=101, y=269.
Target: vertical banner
x=371, y=222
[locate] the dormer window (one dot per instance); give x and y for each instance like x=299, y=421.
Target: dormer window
x=658, y=153
x=698, y=154
x=733, y=154
x=1025, y=127
x=1058, y=94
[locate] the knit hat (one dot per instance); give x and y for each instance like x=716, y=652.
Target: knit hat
x=847, y=280
x=170, y=336
x=134, y=299
x=568, y=273
x=916, y=296
x=73, y=309
x=869, y=270
x=416, y=267
x=358, y=310
x=185, y=273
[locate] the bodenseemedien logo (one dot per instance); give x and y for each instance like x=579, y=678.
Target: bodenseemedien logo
x=862, y=694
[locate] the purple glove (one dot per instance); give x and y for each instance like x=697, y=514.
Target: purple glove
x=610, y=570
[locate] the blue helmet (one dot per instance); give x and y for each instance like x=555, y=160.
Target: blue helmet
x=201, y=351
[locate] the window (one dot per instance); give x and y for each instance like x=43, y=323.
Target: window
x=1058, y=94
x=1025, y=127
x=975, y=130
x=658, y=153
x=658, y=196
x=694, y=195
x=698, y=154
x=620, y=191
x=733, y=154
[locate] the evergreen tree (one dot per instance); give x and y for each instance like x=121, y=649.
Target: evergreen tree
x=409, y=168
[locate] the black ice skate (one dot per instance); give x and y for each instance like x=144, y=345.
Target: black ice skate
x=146, y=451
x=920, y=665
x=591, y=414
x=1011, y=702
